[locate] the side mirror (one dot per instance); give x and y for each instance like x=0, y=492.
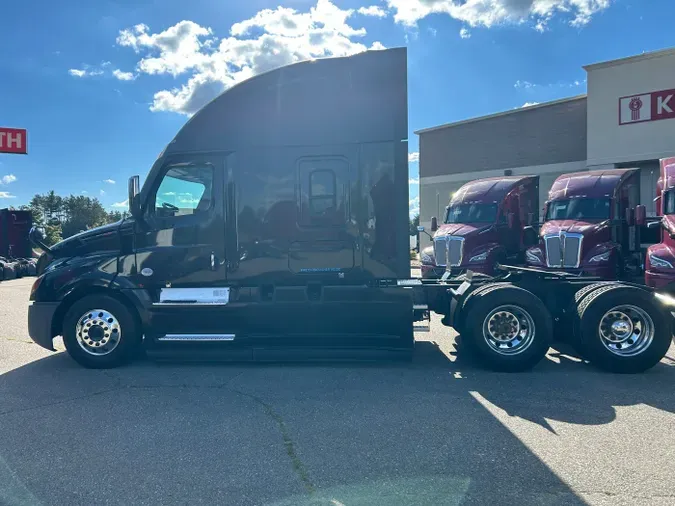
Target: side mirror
x=434, y=224
x=133, y=189
x=530, y=237
x=511, y=217
x=640, y=215
x=420, y=229
x=37, y=237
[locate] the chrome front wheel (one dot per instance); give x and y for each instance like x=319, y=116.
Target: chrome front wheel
x=98, y=332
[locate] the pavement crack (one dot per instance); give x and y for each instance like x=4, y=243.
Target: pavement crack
x=61, y=401
x=297, y=464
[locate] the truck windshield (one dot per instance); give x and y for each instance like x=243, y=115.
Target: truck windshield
x=472, y=213
x=579, y=209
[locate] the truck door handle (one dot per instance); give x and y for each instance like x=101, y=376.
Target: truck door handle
x=213, y=261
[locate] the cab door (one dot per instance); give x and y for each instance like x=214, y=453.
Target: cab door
x=181, y=242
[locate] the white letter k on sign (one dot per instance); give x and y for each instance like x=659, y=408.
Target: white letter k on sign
x=662, y=105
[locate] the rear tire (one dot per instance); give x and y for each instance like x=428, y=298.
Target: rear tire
x=623, y=329
x=507, y=328
x=100, y=332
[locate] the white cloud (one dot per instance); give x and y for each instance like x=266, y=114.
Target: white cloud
x=121, y=205
x=413, y=180
x=84, y=192
x=9, y=178
x=530, y=104
x=490, y=13
x=526, y=85
x=373, y=10
x=413, y=157
x=7, y=195
x=414, y=206
x=89, y=70
x=270, y=39
x=109, y=181
x=124, y=76
x=101, y=192
x=465, y=33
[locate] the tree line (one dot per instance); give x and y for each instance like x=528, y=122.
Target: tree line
x=62, y=217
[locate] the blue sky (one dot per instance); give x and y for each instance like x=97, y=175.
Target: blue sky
x=103, y=86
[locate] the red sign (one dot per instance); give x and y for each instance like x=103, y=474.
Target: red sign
x=647, y=107
x=13, y=140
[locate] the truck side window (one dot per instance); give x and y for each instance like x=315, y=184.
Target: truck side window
x=185, y=190
x=322, y=194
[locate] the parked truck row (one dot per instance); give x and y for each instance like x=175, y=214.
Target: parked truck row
x=16, y=253
x=593, y=224
x=275, y=225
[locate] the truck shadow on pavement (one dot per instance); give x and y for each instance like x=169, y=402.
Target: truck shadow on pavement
x=285, y=434
x=566, y=388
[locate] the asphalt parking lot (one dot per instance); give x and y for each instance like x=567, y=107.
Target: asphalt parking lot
x=437, y=431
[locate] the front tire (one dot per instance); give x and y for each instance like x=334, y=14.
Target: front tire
x=507, y=328
x=100, y=332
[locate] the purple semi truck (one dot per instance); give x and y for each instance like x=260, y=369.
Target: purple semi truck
x=592, y=223
x=660, y=261
x=488, y=221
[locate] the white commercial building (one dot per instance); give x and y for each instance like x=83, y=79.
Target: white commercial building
x=627, y=119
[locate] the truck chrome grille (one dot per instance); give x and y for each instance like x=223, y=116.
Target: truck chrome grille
x=449, y=248
x=563, y=250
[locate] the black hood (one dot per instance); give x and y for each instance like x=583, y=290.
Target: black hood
x=103, y=238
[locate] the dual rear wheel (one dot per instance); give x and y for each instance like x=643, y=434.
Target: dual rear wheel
x=619, y=328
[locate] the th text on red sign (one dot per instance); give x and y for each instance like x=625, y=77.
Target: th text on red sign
x=13, y=140
x=647, y=107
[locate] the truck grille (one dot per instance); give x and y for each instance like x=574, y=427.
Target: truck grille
x=563, y=250
x=449, y=248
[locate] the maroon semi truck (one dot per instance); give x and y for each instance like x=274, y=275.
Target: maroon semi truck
x=592, y=223
x=660, y=260
x=14, y=228
x=488, y=221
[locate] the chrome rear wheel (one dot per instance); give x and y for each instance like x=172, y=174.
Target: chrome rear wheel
x=626, y=330
x=509, y=330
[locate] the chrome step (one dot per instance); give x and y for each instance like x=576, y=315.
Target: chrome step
x=200, y=338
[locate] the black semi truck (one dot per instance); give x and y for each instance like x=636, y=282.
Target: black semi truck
x=275, y=225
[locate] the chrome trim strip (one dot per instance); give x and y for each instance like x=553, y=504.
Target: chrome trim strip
x=209, y=295
x=189, y=304
x=202, y=338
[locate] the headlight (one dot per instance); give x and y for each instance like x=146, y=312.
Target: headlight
x=427, y=259
x=532, y=258
x=34, y=288
x=659, y=262
x=603, y=257
x=665, y=299
x=479, y=258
